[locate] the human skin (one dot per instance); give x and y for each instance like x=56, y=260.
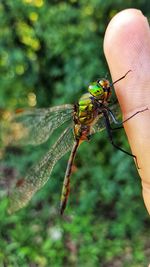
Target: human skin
x=127, y=47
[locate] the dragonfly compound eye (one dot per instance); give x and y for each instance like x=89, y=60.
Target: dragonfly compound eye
x=96, y=90
x=104, y=83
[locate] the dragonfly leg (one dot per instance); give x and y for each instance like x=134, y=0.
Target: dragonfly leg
x=121, y=78
x=110, y=136
x=121, y=122
x=117, y=128
x=140, y=111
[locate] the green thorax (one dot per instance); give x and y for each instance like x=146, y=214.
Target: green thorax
x=86, y=110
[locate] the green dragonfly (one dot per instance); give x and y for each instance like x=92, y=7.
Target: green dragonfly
x=90, y=115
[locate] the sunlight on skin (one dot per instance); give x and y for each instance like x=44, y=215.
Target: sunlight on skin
x=127, y=47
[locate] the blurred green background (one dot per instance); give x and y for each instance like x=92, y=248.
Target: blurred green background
x=49, y=52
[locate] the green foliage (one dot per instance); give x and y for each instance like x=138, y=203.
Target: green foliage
x=49, y=52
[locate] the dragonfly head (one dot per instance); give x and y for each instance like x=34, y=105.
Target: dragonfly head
x=100, y=89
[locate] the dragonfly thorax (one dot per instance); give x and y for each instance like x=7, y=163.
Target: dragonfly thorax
x=100, y=89
x=86, y=111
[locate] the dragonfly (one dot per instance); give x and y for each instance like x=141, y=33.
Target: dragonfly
x=91, y=114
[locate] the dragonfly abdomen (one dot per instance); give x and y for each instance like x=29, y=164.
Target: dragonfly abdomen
x=66, y=184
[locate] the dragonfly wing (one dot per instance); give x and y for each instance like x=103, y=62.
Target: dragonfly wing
x=34, y=126
x=100, y=124
x=39, y=174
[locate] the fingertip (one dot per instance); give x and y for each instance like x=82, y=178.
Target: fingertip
x=127, y=32
x=127, y=46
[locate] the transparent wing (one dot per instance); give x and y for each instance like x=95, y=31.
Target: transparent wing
x=100, y=124
x=34, y=126
x=39, y=174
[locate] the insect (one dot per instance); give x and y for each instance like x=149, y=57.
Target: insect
x=90, y=115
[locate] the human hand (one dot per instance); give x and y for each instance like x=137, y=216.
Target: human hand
x=127, y=47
